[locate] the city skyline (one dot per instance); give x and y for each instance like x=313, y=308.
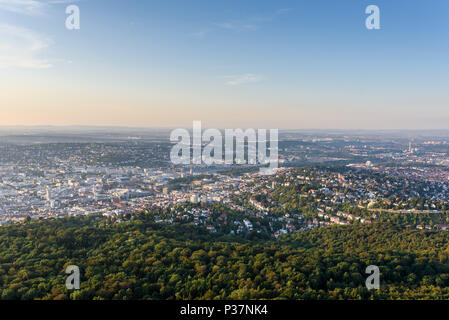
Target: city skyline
x=264, y=64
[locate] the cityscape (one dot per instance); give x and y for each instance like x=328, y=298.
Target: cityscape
x=223, y=159
x=335, y=174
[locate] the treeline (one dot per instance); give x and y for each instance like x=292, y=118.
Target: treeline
x=142, y=260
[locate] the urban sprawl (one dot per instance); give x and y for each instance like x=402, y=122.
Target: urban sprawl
x=323, y=179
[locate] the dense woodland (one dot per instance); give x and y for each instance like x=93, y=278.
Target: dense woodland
x=143, y=260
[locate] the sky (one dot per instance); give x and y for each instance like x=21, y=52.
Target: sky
x=228, y=63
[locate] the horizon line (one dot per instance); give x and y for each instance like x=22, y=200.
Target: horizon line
x=221, y=128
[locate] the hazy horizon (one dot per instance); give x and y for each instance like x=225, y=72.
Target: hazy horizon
x=75, y=130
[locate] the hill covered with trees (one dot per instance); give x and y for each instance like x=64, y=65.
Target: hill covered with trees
x=139, y=259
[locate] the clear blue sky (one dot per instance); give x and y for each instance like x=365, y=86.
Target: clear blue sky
x=276, y=64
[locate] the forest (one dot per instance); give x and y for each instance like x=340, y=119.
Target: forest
x=140, y=259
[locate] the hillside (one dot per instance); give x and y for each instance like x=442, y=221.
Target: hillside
x=142, y=260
